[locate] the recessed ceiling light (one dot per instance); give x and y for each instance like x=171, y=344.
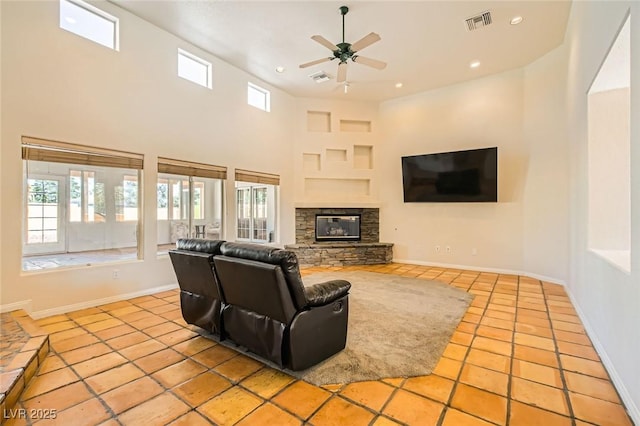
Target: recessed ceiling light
x=280, y=69
x=474, y=64
x=516, y=20
x=70, y=20
x=398, y=85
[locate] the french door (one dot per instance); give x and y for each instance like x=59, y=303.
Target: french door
x=44, y=228
x=252, y=211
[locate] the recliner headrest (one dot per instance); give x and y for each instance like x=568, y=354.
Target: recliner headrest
x=196, y=244
x=286, y=259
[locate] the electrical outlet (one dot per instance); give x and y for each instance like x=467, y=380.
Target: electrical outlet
x=115, y=274
x=448, y=249
x=437, y=249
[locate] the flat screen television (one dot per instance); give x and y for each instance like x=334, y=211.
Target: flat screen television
x=460, y=176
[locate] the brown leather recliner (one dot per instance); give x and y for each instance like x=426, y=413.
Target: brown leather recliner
x=267, y=309
x=200, y=299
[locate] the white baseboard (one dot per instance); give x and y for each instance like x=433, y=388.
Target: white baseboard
x=632, y=408
x=25, y=304
x=483, y=269
x=97, y=302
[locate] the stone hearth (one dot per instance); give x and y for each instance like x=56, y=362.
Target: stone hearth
x=368, y=251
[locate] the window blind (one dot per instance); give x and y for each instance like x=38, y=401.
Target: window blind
x=36, y=149
x=257, y=177
x=187, y=168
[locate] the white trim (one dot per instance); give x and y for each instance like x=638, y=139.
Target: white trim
x=198, y=60
x=334, y=205
x=97, y=302
x=25, y=304
x=115, y=41
x=266, y=97
x=632, y=409
x=484, y=269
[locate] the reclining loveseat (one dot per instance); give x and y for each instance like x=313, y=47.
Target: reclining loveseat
x=254, y=296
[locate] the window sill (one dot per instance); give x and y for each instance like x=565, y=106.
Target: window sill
x=620, y=259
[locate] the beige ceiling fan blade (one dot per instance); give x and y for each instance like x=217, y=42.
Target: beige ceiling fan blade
x=317, y=61
x=342, y=72
x=373, y=63
x=365, y=41
x=323, y=41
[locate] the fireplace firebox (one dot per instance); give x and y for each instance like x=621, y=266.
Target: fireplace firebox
x=337, y=227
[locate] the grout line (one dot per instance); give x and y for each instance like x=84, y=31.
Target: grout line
x=565, y=389
x=456, y=381
x=513, y=353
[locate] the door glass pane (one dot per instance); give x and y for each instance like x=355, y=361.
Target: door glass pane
x=260, y=214
x=244, y=212
x=42, y=208
x=75, y=196
x=198, y=200
x=163, y=199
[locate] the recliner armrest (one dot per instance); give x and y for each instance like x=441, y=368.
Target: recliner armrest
x=323, y=293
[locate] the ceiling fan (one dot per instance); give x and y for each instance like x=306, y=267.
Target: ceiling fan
x=345, y=51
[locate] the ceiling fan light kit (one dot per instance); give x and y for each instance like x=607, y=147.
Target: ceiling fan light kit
x=345, y=51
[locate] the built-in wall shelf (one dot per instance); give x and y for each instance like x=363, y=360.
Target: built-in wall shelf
x=337, y=188
x=334, y=159
x=355, y=126
x=363, y=157
x=336, y=154
x=318, y=121
x=311, y=162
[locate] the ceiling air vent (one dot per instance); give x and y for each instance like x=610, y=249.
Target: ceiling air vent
x=478, y=21
x=319, y=76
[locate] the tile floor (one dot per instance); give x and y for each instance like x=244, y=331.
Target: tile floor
x=520, y=356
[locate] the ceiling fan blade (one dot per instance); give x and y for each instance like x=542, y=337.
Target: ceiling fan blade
x=323, y=41
x=342, y=72
x=317, y=61
x=365, y=41
x=373, y=63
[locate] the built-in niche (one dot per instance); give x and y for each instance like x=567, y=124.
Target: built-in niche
x=355, y=126
x=336, y=154
x=311, y=162
x=342, y=189
x=362, y=157
x=318, y=121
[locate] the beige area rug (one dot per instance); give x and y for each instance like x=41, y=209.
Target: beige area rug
x=398, y=327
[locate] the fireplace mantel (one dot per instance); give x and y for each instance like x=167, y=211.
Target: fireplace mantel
x=332, y=205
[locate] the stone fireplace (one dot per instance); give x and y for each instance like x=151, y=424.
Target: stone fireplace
x=338, y=250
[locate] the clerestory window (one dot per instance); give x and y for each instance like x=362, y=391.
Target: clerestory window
x=89, y=22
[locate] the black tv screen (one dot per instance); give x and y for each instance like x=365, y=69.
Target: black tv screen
x=460, y=176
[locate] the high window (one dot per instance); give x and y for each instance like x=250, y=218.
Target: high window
x=258, y=97
x=256, y=206
x=89, y=22
x=189, y=201
x=72, y=214
x=193, y=68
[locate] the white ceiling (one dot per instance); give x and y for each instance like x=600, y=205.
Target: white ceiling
x=425, y=43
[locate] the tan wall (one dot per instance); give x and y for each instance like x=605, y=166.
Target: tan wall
x=481, y=113
x=60, y=86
